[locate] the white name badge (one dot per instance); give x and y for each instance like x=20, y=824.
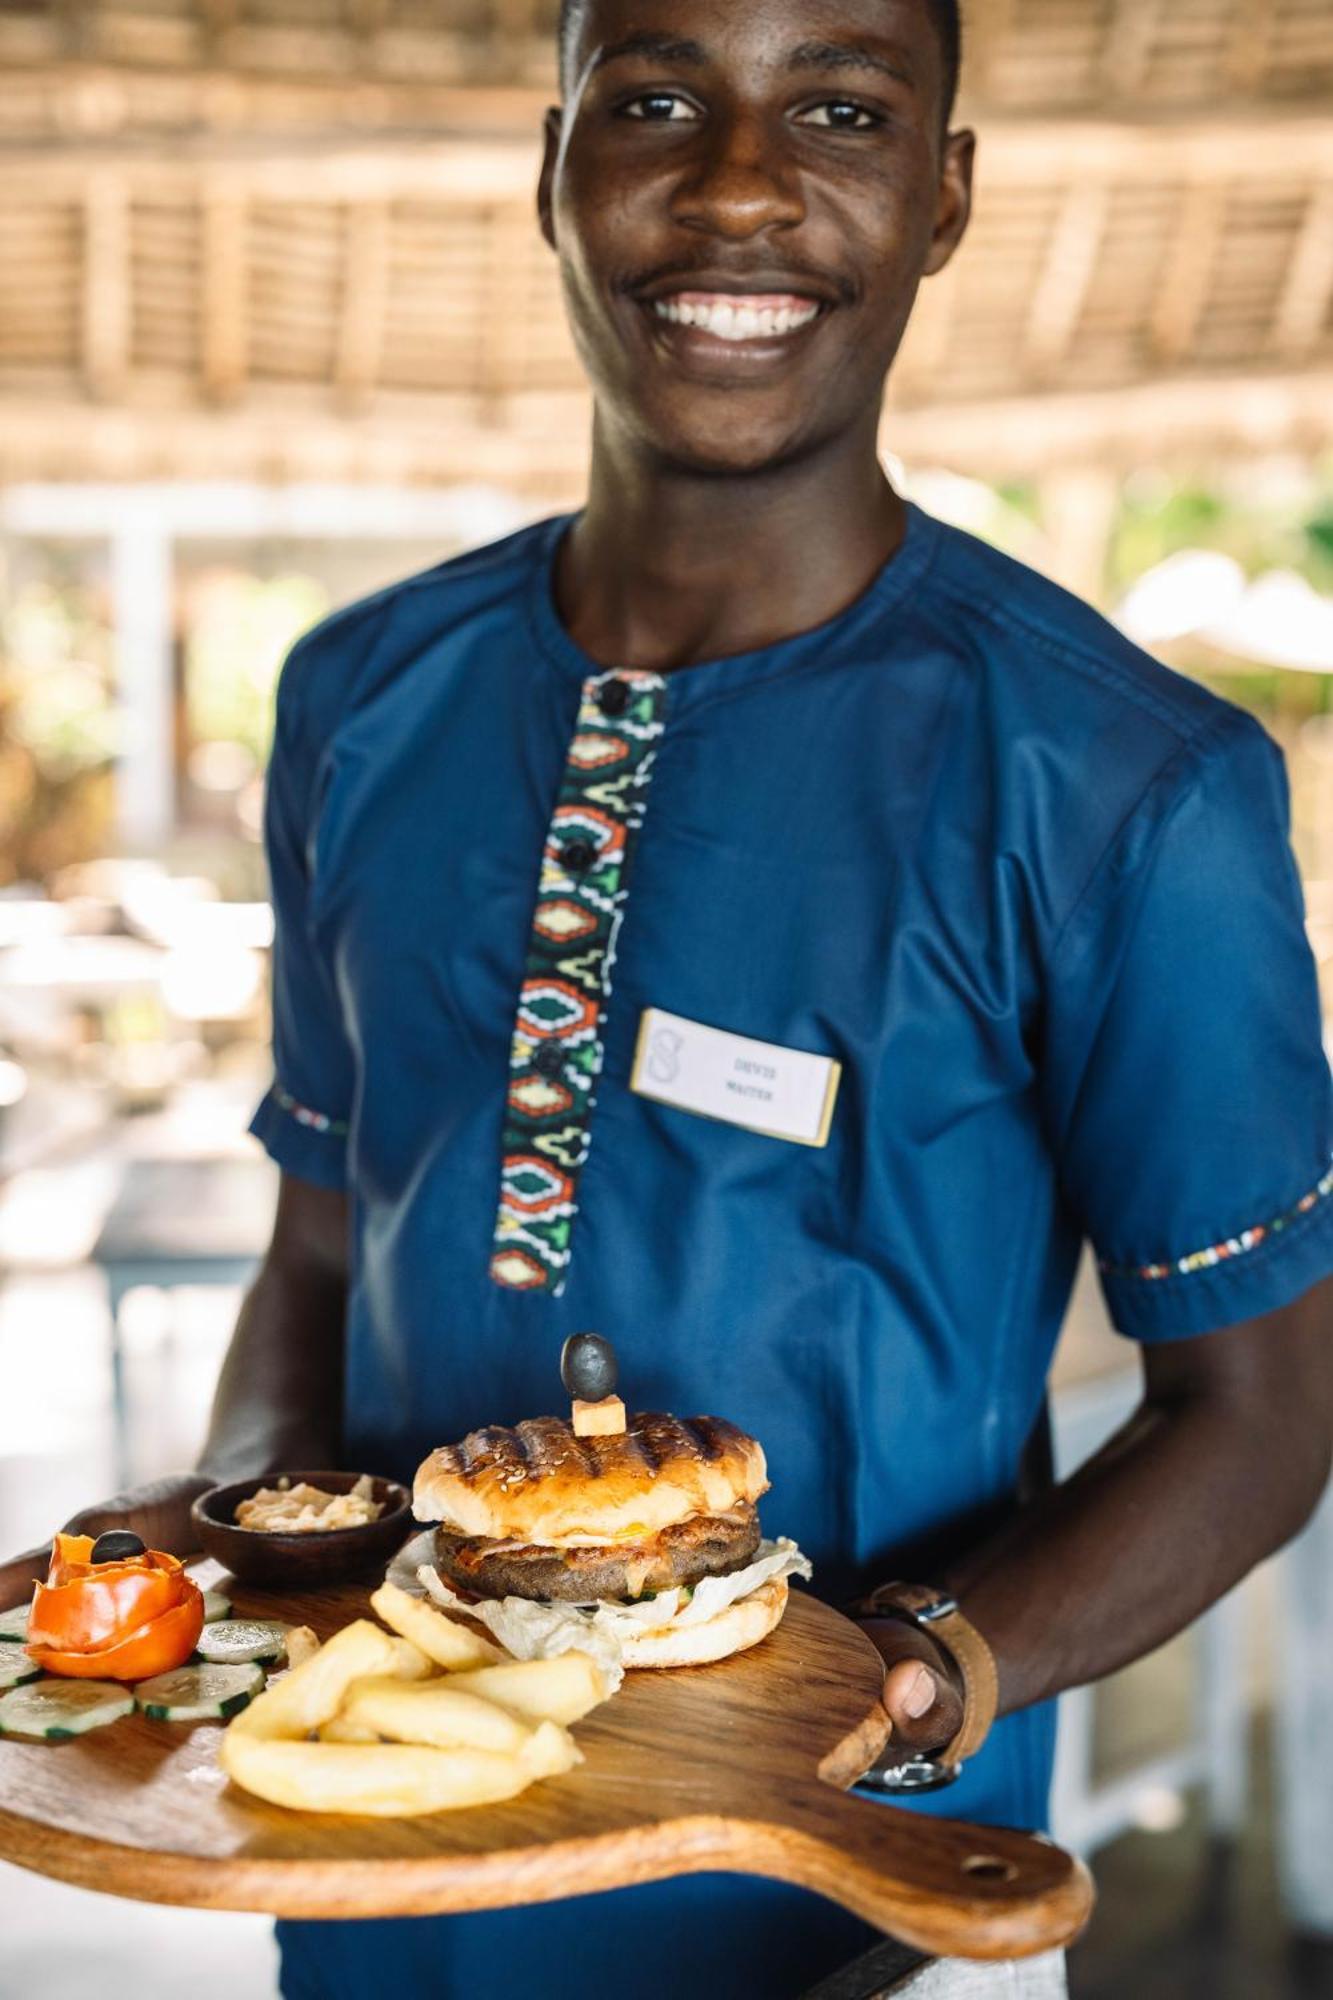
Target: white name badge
x=784, y=1093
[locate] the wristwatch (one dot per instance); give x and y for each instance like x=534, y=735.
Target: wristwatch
x=936, y=1613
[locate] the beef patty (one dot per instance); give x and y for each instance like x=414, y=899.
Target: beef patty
x=707, y=1545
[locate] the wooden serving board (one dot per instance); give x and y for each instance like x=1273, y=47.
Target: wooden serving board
x=737, y=1766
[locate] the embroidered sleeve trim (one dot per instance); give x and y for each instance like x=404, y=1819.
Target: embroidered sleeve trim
x=314, y=1121
x=1232, y=1246
x=556, y=1047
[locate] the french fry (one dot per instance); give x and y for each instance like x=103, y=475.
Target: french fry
x=410, y=1663
x=557, y=1690
x=341, y=1729
x=312, y=1693
x=450, y=1645
x=433, y=1712
x=301, y=1645
x=390, y=1780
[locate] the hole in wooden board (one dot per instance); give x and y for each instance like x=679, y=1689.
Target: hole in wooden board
x=989, y=1868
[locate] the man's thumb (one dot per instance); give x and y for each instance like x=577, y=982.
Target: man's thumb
x=925, y=1710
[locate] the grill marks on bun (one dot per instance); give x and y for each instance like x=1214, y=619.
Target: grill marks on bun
x=539, y=1483
x=539, y=1447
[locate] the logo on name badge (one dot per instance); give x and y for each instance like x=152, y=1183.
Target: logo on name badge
x=779, y=1092
x=663, y=1063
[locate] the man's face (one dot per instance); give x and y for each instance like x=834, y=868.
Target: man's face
x=744, y=199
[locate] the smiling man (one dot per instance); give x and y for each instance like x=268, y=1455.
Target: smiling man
x=747, y=767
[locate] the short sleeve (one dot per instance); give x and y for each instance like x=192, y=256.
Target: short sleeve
x=1186, y=1086
x=303, y=1120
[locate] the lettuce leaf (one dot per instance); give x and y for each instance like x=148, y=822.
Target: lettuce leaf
x=532, y=1631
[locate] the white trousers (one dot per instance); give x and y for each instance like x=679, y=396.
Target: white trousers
x=1041, y=1978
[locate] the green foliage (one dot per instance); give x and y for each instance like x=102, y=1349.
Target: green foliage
x=240, y=631
x=57, y=719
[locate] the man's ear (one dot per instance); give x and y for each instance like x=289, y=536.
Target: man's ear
x=953, y=205
x=551, y=127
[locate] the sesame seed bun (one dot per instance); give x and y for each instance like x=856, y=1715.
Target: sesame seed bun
x=538, y=1483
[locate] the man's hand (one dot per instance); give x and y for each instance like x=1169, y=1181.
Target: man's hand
x=922, y=1688
x=159, y=1513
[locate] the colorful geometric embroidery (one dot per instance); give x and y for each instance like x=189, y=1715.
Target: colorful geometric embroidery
x=556, y=1054
x=1233, y=1246
x=318, y=1121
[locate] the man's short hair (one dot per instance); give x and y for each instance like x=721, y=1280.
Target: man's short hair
x=946, y=14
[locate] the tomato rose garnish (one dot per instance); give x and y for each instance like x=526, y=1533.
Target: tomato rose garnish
x=119, y=1620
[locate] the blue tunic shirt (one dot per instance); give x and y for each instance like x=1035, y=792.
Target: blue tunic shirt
x=1030, y=889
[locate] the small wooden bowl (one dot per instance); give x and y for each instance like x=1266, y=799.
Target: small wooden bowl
x=292, y=1561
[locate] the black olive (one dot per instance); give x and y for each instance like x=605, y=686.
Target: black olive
x=588, y=1367
x=117, y=1545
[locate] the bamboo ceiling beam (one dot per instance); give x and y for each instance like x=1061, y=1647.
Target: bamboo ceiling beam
x=224, y=333
x=1131, y=32
x=930, y=331
x=515, y=18
x=990, y=32
x=505, y=302
x=1183, y=421
x=72, y=26
x=367, y=18
x=1070, y=260
x=219, y=17
x=1187, y=270
x=1307, y=295
x=537, y=444
x=1023, y=54
x=364, y=303
x=106, y=302
x=1248, y=45
x=1143, y=153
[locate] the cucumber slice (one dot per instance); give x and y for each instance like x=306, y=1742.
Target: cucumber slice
x=56, y=1709
x=228, y=1641
x=16, y=1666
x=14, y=1623
x=216, y=1606
x=199, y=1694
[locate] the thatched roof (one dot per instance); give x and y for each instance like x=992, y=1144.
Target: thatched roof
x=218, y=250
x=1052, y=55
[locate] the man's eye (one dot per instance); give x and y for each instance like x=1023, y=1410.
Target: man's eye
x=658, y=107
x=839, y=116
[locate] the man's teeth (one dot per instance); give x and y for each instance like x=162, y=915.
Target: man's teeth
x=736, y=322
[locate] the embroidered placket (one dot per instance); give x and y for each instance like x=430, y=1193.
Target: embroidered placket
x=555, y=1056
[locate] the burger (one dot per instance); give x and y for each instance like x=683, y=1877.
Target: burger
x=642, y=1546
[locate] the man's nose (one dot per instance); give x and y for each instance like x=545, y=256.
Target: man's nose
x=740, y=183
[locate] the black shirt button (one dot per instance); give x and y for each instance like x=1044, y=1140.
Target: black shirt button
x=549, y=1059
x=613, y=697
x=578, y=856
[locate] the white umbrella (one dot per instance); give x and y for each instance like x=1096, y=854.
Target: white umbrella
x=1278, y=620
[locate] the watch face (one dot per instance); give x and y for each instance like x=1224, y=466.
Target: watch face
x=909, y=1774
x=919, y=1602
x=938, y=1607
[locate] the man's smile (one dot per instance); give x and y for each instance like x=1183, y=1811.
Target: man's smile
x=715, y=318
x=738, y=316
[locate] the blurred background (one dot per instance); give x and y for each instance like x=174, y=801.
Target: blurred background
x=276, y=327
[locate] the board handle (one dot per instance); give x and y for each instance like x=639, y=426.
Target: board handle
x=949, y=1888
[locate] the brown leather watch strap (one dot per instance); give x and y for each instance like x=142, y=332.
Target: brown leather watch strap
x=935, y=1613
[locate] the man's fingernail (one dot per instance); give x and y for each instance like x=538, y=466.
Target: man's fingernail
x=919, y=1693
